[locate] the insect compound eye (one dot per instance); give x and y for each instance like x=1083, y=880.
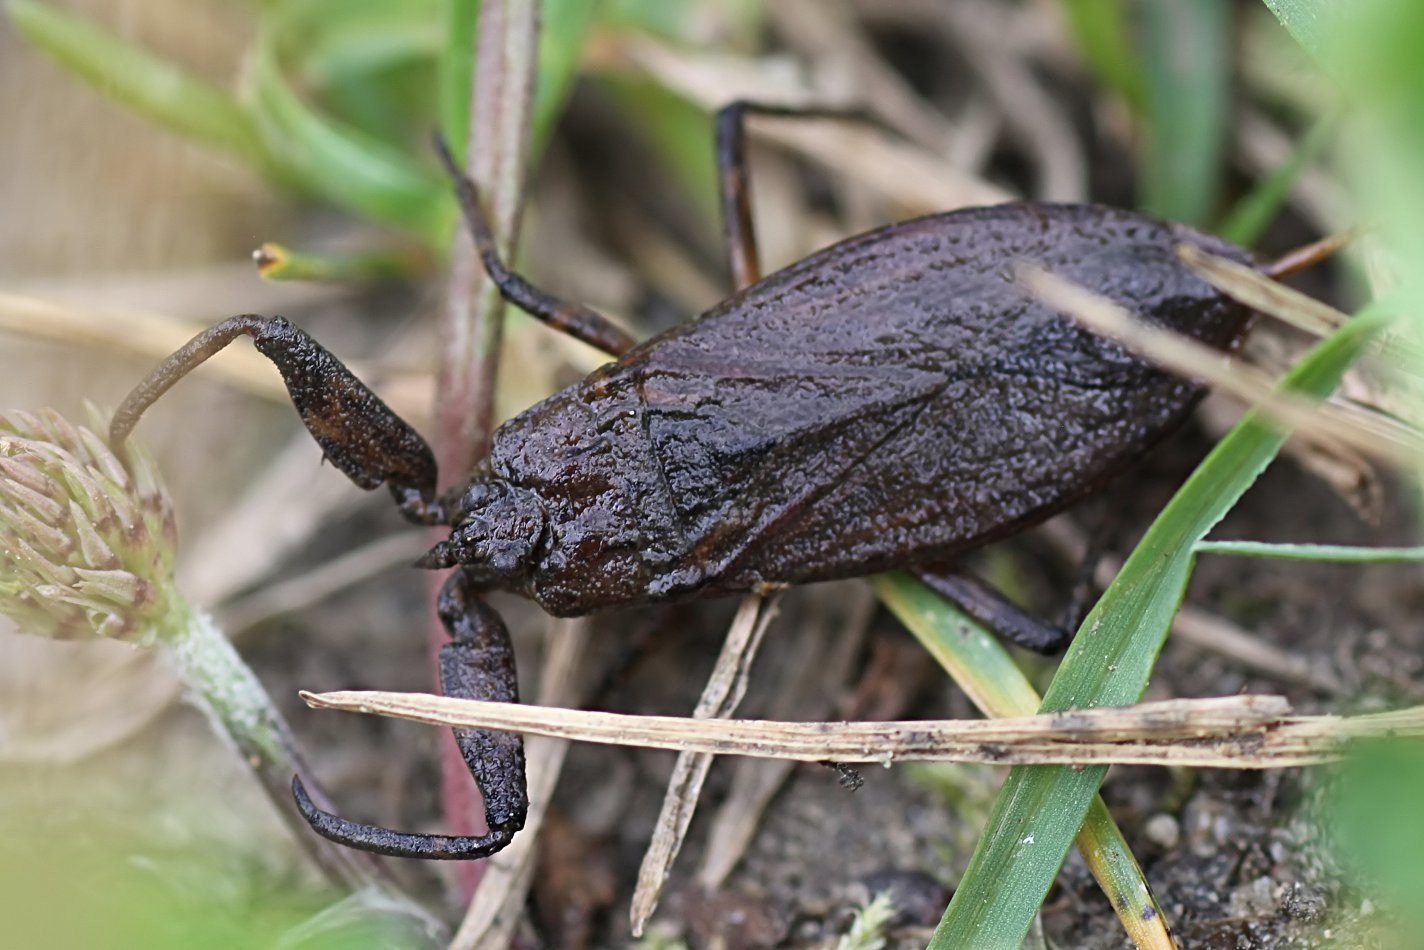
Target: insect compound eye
x=498, y=533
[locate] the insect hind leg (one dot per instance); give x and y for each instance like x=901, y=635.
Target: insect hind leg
x=478, y=663
x=734, y=178
x=992, y=609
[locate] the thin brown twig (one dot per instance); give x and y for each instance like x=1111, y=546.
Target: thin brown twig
x=1246, y=285
x=822, y=668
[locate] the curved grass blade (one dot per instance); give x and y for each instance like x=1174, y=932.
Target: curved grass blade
x=152, y=86
x=1040, y=808
x=1250, y=217
x=1339, y=553
x=1100, y=30
x=352, y=170
x=982, y=667
x=1188, y=68
x=1306, y=20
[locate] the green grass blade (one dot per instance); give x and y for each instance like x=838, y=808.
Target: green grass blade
x=355, y=171
x=279, y=262
x=1248, y=220
x=1306, y=20
x=982, y=667
x=1339, y=553
x=1040, y=808
x=975, y=660
x=455, y=74
x=152, y=86
x=1188, y=46
x=565, y=26
x=370, y=65
x=327, y=42
x=1099, y=28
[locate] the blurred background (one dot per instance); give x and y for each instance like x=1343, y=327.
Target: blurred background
x=151, y=146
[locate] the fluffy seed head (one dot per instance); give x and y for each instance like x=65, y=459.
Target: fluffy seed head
x=86, y=541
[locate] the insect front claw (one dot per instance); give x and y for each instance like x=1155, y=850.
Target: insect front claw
x=444, y=554
x=396, y=844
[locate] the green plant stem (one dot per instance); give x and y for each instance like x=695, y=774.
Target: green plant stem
x=279, y=262
x=1338, y=553
x=228, y=692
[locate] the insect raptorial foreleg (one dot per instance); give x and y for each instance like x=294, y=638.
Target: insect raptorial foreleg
x=477, y=664
x=357, y=432
x=992, y=609
x=578, y=321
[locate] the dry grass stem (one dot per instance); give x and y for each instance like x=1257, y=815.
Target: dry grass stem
x=1237, y=732
x=156, y=336
x=1261, y=293
x=823, y=665
x=844, y=60
x=1210, y=632
x=279, y=510
x=1032, y=116
x=142, y=334
x=328, y=578
x=1368, y=432
x=723, y=692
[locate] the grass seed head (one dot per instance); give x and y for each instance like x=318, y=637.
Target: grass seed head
x=87, y=540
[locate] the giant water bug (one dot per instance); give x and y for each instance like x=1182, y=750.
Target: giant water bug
x=894, y=400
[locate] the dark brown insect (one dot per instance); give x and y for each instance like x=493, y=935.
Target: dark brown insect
x=894, y=400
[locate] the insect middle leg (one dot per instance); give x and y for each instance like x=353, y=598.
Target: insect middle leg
x=577, y=320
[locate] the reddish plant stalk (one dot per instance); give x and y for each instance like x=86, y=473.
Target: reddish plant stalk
x=472, y=327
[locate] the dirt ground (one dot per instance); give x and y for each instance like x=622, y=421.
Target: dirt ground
x=99, y=752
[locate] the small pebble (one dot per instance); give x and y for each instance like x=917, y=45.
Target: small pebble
x=1163, y=830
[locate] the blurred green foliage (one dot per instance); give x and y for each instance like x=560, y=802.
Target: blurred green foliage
x=1373, y=810
x=79, y=879
x=338, y=98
